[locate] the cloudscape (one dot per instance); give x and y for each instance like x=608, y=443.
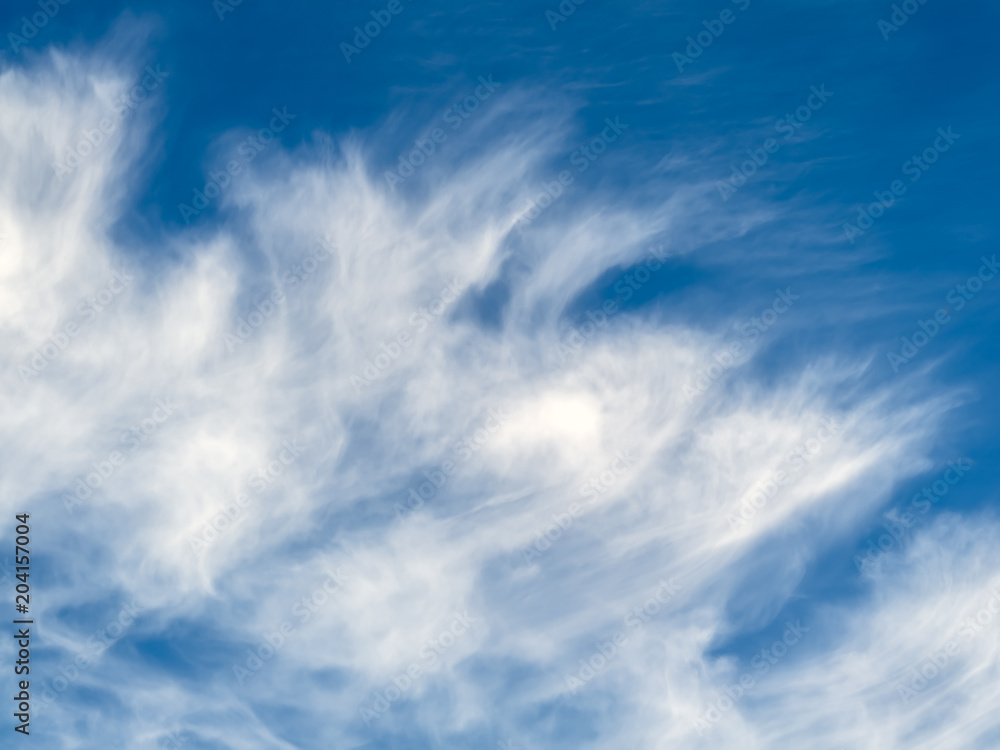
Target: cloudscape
x=516, y=376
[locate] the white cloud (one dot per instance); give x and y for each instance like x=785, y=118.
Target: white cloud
x=164, y=337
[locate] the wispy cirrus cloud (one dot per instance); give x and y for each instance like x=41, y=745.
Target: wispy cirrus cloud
x=363, y=449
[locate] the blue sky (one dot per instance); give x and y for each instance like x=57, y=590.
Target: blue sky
x=521, y=376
